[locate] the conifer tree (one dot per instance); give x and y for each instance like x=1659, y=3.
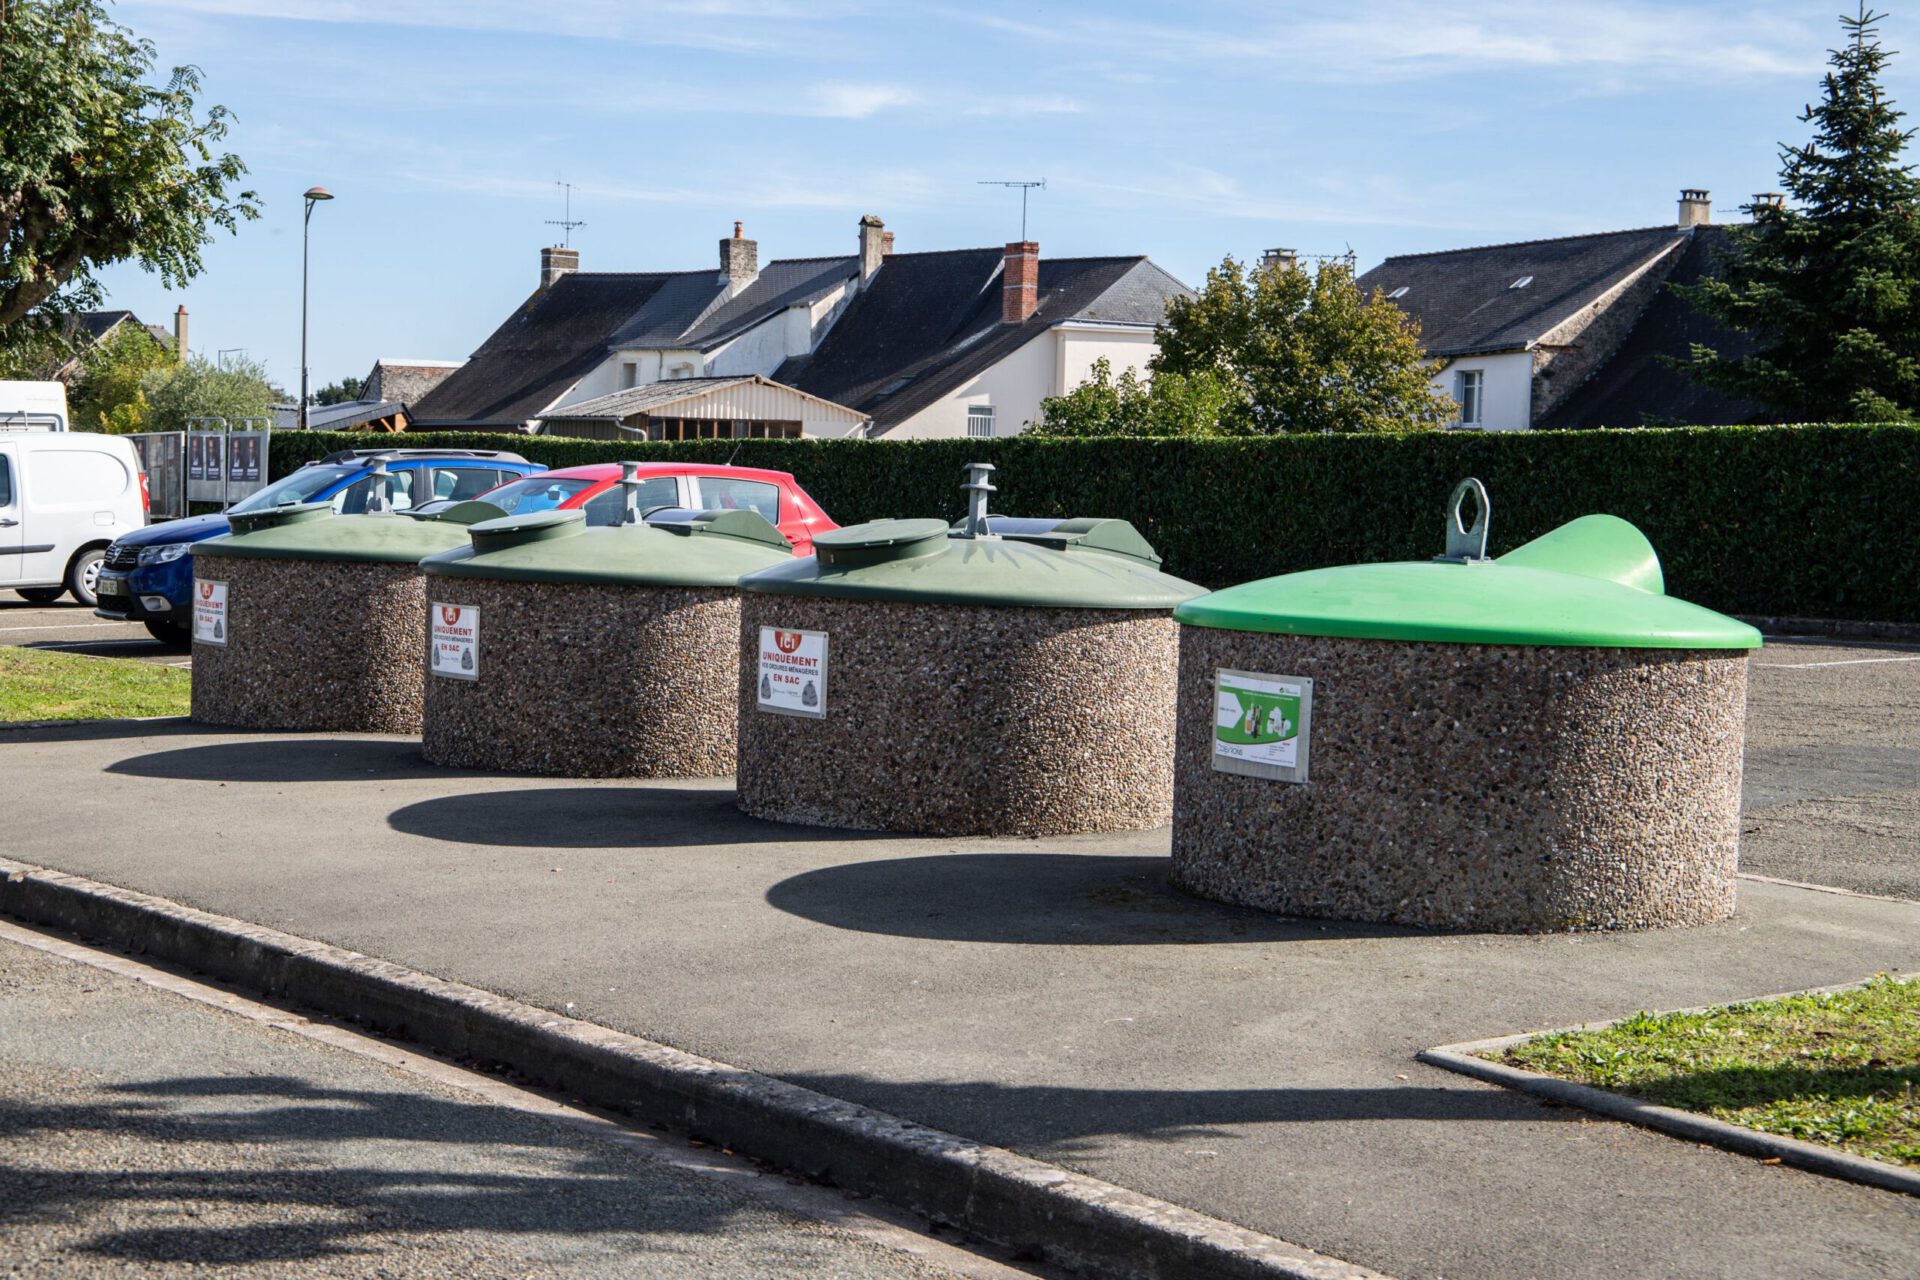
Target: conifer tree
x=1827, y=282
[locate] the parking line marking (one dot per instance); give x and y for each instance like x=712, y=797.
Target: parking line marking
x=1841, y=662
x=70, y=626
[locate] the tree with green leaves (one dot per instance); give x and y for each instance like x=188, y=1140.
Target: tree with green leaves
x=97, y=166
x=341, y=392
x=1828, y=286
x=236, y=388
x=1268, y=351
x=1167, y=404
x=109, y=393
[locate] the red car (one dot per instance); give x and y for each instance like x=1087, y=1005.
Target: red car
x=596, y=490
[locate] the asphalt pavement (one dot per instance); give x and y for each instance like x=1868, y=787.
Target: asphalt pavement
x=144, y=1133
x=67, y=627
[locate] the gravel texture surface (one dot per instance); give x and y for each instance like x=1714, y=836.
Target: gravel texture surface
x=1486, y=787
x=966, y=720
x=313, y=644
x=591, y=681
x=142, y=1134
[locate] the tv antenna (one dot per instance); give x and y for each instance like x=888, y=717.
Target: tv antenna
x=1024, y=188
x=567, y=222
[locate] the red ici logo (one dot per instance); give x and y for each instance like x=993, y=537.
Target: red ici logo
x=206, y=591
x=449, y=614
x=787, y=640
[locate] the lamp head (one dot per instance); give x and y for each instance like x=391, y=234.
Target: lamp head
x=318, y=193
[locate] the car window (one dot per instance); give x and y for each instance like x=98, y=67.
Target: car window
x=535, y=493
x=463, y=483
x=352, y=500
x=607, y=508
x=302, y=486
x=6, y=481
x=728, y=493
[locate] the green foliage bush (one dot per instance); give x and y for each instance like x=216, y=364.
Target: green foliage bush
x=1808, y=521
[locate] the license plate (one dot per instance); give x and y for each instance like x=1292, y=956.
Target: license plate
x=111, y=587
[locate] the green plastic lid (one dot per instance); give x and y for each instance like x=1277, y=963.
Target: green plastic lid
x=1038, y=564
x=1594, y=582
x=710, y=549
x=312, y=532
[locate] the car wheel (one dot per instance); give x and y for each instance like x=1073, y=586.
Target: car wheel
x=83, y=575
x=42, y=595
x=170, y=634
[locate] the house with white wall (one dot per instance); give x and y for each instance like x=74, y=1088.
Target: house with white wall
x=1568, y=332
x=945, y=343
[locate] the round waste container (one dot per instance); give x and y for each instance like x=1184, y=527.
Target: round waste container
x=303, y=619
x=1540, y=742
x=1001, y=677
x=591, y=653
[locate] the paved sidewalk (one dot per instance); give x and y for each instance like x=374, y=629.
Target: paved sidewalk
x=143, y=1133
x=1051, y=996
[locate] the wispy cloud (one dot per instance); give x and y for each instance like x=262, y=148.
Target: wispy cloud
x=849, y=101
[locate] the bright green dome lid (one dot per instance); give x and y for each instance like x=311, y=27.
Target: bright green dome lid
x=1594, y=582
x=311, y=532
x=989, y=560
x=711, y=549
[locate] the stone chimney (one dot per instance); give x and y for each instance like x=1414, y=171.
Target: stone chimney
x=1696, y=210
x=180, y=335
x=739, y=259
x=1020, y=282
x=1287, y=259
x=886, y=245
x=1764, y=201
x=556, y=262
x=874, y=245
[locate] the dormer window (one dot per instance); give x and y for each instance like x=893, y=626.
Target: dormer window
x=1401, y=292
x=1521, y=283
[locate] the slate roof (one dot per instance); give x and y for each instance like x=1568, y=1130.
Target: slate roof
x=99, y=323
x=1635, y=387
x=549, y=343
x=928, y=322
x=1465, y=302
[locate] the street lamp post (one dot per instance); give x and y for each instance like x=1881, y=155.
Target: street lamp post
x=314, y=196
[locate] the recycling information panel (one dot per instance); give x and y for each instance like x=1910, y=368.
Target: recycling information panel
x=793, y=672
x=209, y=612
x=1261, y=724
x=454, y=649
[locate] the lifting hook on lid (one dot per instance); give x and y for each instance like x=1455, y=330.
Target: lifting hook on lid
x=1467, y=545
x=977, y=487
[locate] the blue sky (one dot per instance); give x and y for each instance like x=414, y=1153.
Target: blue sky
x=1184, y=132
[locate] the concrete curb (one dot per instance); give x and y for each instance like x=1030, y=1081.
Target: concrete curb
x=104, y=720
x=1462, y=1058
x=1020, y=1203
x=1833, y=628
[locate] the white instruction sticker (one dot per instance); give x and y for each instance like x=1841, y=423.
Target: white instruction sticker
x=453, y=649
x=793, y=672
x=1262, y=724
x=209, y=612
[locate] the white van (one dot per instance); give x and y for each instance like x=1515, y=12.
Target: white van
x=64, y=496
x=33, y=406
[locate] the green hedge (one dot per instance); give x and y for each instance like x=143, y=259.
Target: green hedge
x=1811, y=521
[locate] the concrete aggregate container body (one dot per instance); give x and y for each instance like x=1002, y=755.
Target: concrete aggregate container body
x=591, y=653
x=908, y=677
x=1539, y=742
x=304, y=619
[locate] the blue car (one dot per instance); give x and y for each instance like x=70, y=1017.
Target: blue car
x=148, y=575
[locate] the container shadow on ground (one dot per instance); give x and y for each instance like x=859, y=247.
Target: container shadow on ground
x=272, y=759
x=615, y=817
x=197, y=1150
x=1044, y=899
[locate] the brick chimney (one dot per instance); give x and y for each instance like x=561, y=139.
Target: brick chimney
x=1764, y=201
x=1020, y=282
x=886, y=245
x=180, y=335
x=739, y=259
x=874, y=246
x=1696, y=210
x=556, y=262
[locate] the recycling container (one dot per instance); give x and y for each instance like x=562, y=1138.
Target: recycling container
x=303, y=619
x=999, y=678
x=591, y=653
x=1539, y=742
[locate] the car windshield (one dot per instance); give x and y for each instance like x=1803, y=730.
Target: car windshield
x=299, y=487
x=535, y=493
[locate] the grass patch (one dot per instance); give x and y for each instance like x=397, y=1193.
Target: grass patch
x=37, y=685
x=1840, y=1069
